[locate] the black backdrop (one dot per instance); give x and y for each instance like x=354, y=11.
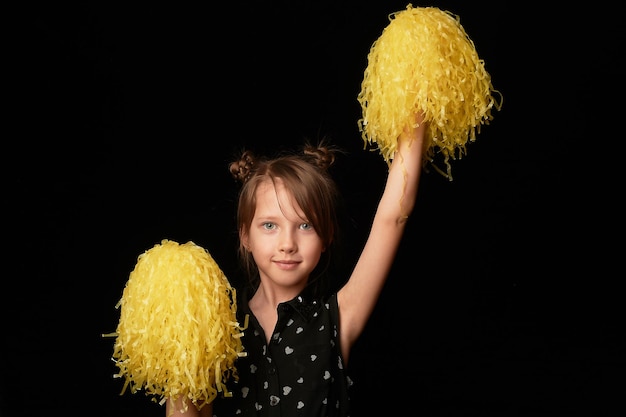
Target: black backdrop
x=504, y=298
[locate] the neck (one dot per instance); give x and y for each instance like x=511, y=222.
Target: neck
x=272, y=295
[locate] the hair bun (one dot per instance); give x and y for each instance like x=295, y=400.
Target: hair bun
x=321, y=155
x=241, y=169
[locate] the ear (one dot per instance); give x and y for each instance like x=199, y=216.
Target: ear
x=243, y=237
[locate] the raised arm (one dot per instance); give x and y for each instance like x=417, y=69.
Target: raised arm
x=359, y=295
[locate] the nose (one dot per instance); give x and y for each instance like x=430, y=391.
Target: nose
x=287, y=242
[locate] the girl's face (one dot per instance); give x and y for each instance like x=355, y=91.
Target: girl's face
x=285, y=247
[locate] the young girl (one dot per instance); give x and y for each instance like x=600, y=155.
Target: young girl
x=298, y=338
x=423, y=75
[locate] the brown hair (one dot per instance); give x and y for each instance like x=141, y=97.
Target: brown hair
x=307, y=177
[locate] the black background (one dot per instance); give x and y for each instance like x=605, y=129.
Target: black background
x=506, y=296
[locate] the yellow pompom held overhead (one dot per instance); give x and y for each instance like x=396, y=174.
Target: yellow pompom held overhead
x=424, y=61
x=177, y=335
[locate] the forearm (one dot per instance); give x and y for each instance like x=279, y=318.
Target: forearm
x=401, y=187
x=177, y=409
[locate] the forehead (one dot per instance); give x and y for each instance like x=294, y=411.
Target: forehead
x=274, y=196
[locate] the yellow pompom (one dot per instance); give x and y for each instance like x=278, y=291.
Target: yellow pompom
x=178, y=334
x=425, y=62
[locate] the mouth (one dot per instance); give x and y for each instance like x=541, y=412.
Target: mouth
x=286, y=265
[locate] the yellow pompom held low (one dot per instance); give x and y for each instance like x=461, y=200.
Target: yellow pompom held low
x=177, y=334
x=424, y=62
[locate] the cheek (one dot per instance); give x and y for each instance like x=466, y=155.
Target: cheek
x=259, y=243
x=315, y=249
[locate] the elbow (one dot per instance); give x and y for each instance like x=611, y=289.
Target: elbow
x=401, y=220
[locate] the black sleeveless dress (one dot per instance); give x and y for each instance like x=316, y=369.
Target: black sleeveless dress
x=300, y=373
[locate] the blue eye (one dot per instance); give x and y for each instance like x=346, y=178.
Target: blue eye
x=306, y=226
x=269, y=226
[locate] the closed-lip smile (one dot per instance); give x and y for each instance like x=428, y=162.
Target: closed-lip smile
x=286, y=263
